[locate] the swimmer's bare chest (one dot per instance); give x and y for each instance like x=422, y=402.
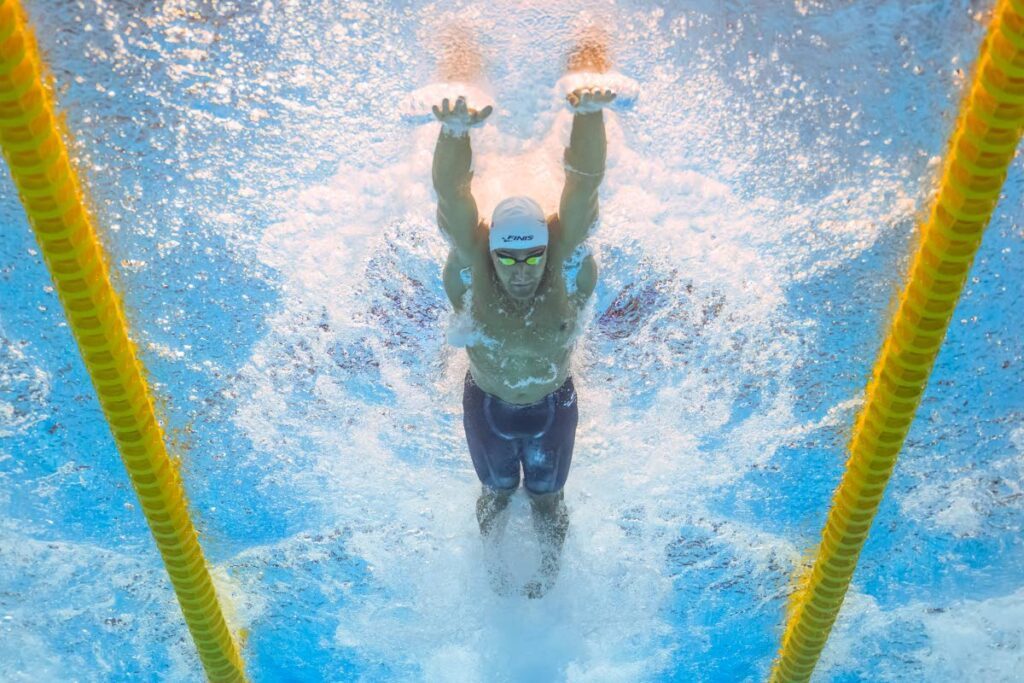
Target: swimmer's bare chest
x=524, y=351
x=521, y=352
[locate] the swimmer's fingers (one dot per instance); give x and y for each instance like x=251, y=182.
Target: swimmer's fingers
x=597, y=96
x=459, y=119
x=481, y=116
x=444, y=112
x=460, y=111
x=470, y=117
x=589, y=99
x=579, y=96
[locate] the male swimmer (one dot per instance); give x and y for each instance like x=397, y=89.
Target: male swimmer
x=519, y=402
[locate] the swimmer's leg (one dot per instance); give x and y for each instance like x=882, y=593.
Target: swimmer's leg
x=546, y=465
x=551, y=521
x=496, y=461
x=489, y=506
x=495, y=458
x=492, y=518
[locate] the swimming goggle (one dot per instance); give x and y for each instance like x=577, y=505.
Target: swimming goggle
x=529, y=260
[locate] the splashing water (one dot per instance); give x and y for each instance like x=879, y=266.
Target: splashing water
x=271, y=224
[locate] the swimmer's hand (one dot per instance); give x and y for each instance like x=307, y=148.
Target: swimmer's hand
x=458, y=120
x=587, y=100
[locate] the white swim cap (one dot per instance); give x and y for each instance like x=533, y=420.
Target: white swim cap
x=518, y=223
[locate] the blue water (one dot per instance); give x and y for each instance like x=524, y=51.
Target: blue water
x=269, y=220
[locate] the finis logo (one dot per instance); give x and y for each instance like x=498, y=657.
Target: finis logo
x=518, y=238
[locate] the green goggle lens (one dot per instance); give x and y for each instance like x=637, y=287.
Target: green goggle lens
x=529, y=260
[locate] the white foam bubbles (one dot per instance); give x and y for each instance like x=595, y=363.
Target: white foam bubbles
x=963, y=640
x=24, y=387
x=962, y=504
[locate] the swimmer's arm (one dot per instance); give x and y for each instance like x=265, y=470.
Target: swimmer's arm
x=457, y=212
x=584, y=170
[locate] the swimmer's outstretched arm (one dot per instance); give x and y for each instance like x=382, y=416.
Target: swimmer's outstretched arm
x=457, y=213
x=584, y=165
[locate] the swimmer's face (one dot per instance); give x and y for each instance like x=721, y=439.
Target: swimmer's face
x=520, y=270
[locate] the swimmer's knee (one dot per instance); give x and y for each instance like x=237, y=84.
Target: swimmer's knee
x=548, y=507
x=544, y=493
x=501, y=486
x=541, y=483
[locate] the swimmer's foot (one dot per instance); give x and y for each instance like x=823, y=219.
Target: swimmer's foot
x=498, y=575
x=551, y=521
x=546, y=579
x=536, y=589
x=492, y=516
x=500, y=580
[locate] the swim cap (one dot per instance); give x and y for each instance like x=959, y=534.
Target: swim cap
x=518, y=223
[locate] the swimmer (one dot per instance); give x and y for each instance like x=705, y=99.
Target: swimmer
x=520, y=407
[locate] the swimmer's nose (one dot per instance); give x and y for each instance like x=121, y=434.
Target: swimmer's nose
x=521, y=276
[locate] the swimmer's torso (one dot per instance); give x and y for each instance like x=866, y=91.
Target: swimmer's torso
x=520, y=352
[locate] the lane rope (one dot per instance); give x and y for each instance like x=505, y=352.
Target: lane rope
x=980, y=152
x=50, y=192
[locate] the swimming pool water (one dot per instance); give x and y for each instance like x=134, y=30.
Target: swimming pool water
x=269, y=219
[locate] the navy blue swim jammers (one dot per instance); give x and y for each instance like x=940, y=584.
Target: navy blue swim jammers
x=538, y=436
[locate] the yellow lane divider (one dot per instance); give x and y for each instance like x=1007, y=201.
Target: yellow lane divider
x=52, y=199
x=980, y=152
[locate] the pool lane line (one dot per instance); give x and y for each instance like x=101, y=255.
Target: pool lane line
x=980, y=152
x=51, y=195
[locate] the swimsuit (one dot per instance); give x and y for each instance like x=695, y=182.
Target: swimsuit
x=539, y=435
